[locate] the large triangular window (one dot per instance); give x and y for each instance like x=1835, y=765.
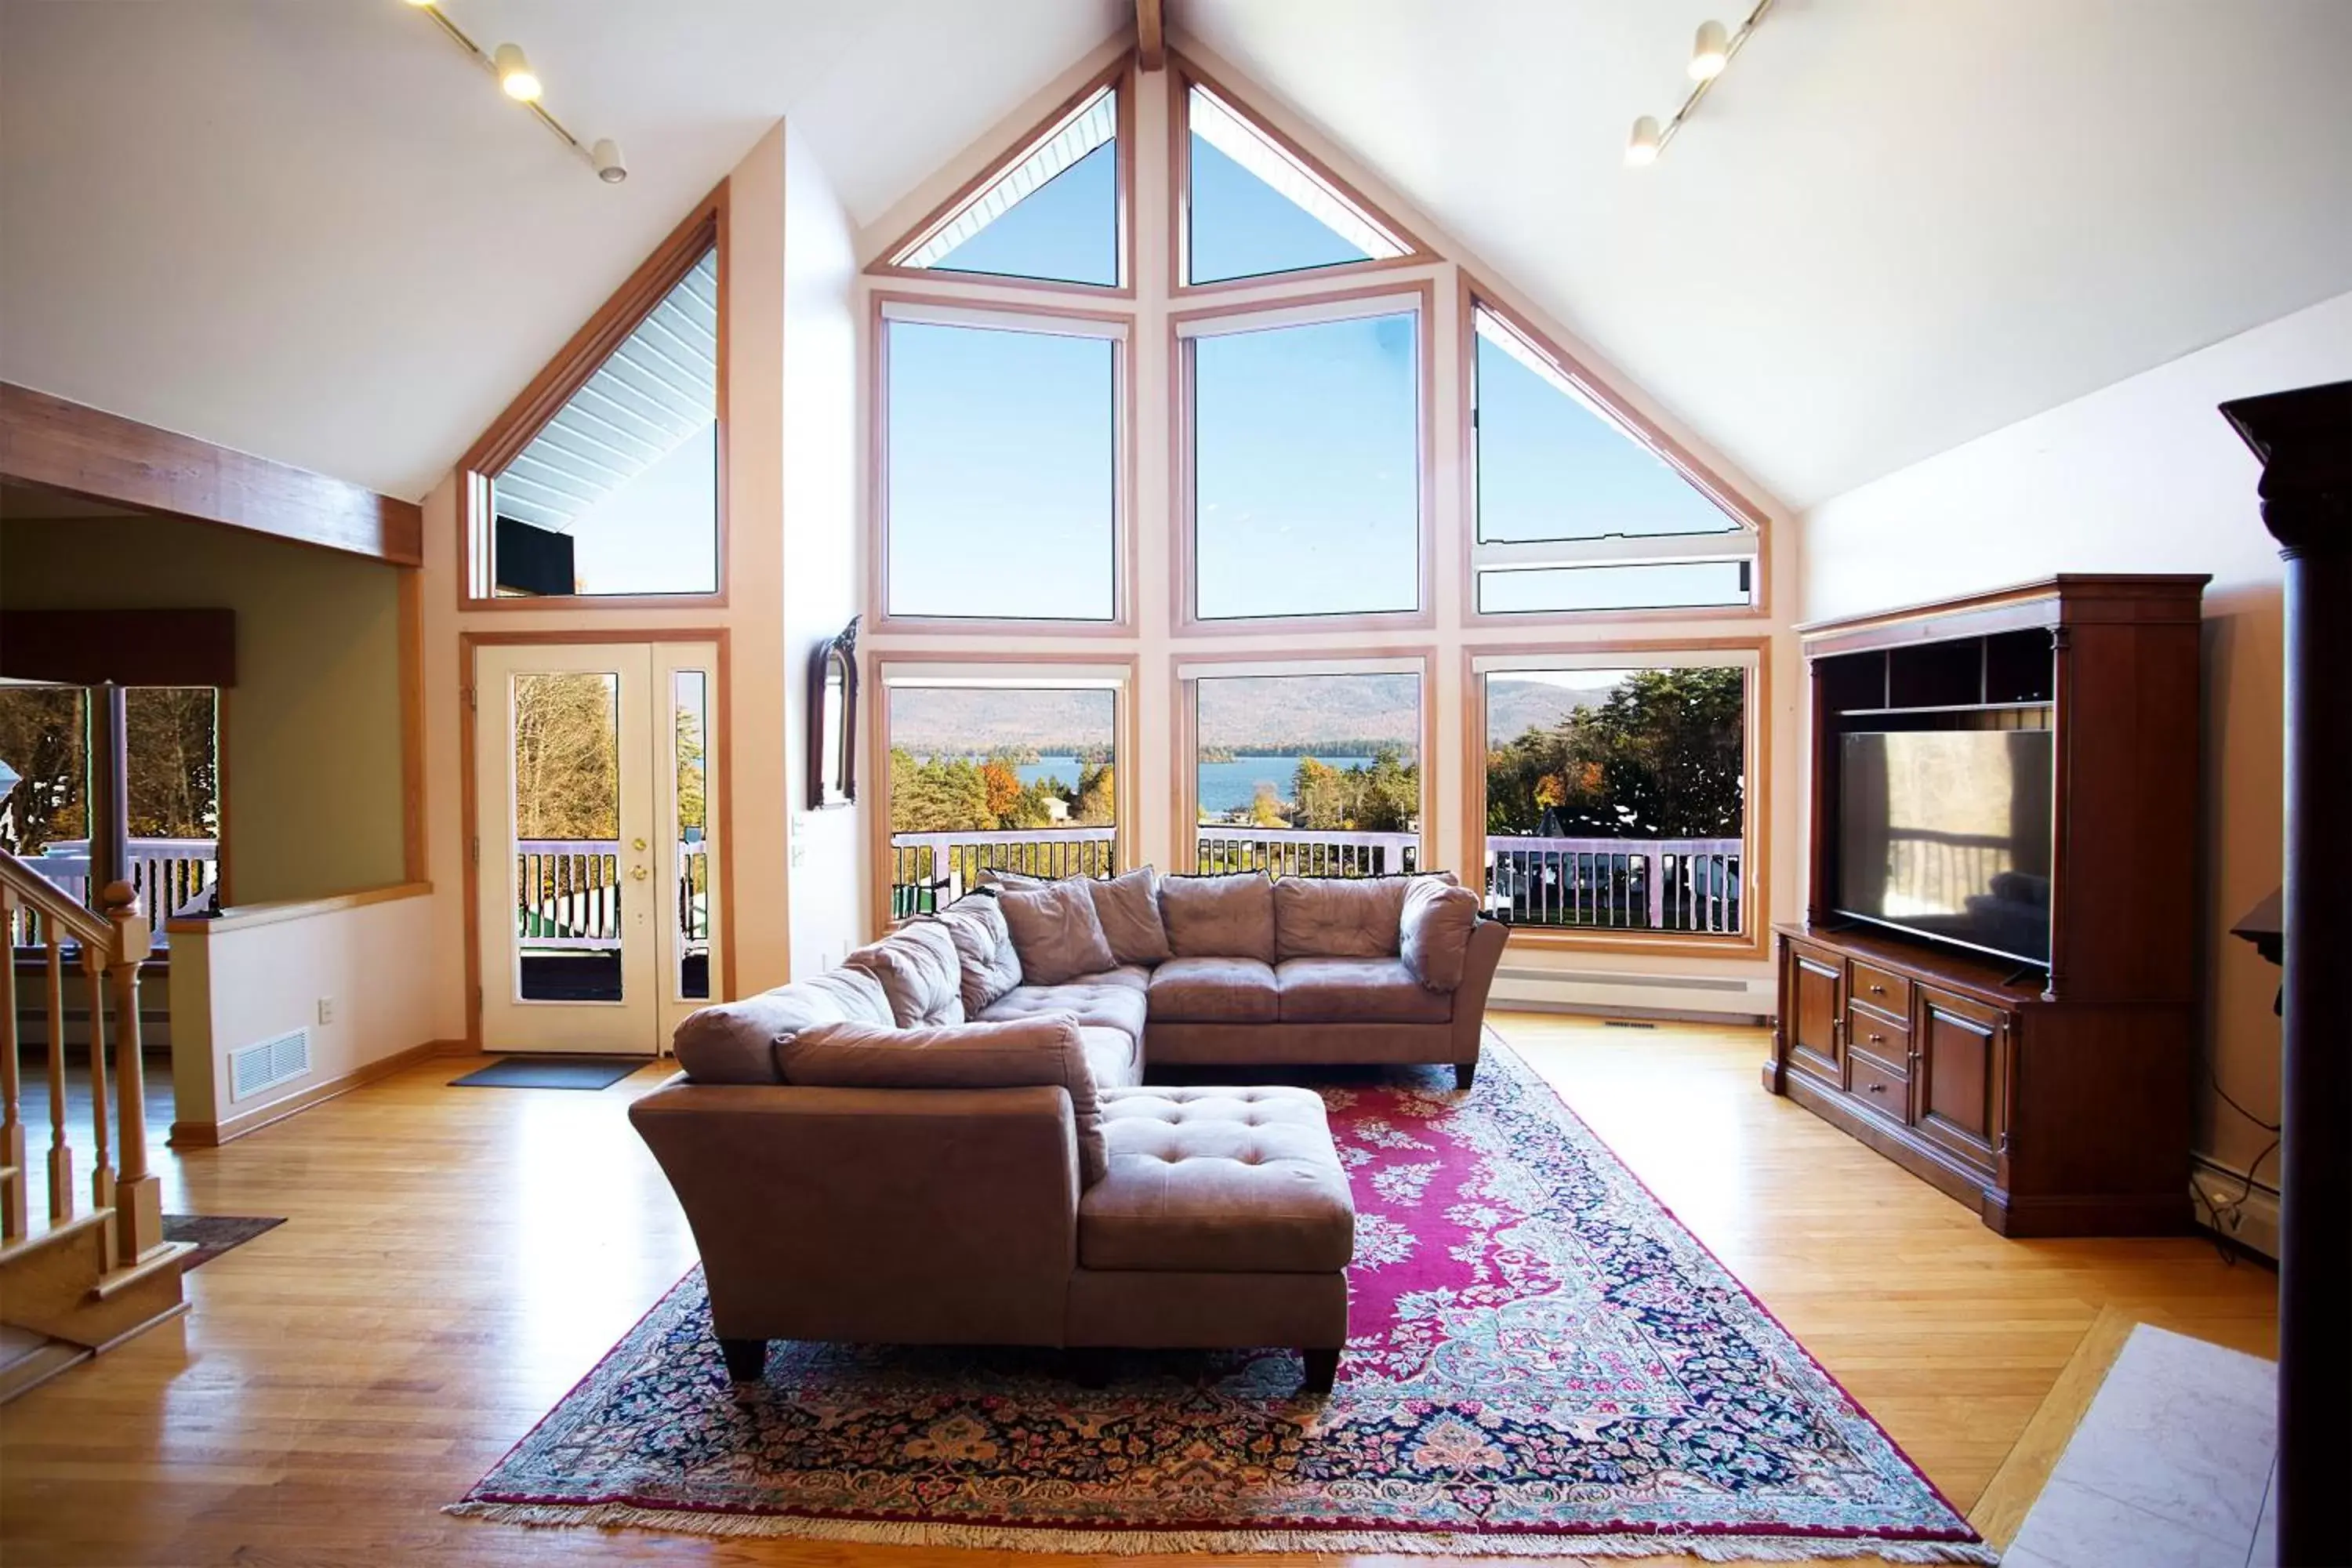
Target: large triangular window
x=1051, y=211
x=1579, y=503
x=1256, y=206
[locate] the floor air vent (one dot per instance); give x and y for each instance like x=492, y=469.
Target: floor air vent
x=271, y=1063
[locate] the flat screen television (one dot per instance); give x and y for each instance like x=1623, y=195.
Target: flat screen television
x=1946, y=833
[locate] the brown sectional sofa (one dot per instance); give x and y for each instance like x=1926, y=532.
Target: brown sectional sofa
x=928, y=1146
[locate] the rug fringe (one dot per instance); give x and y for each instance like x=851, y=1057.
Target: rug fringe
x=1136, y=1542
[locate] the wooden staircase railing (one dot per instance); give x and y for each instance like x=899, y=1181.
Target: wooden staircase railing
x=85, y=1281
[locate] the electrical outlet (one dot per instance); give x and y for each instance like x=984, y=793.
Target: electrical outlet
x=326, y=1009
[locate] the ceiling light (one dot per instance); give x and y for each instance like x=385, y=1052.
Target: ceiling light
x=606, y=159
x=1642, y=150
x=515, y=74
x=1711, y=53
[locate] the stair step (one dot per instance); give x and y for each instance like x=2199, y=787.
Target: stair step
x=29, y=1360
x=154, y=1260
x=24, y=1246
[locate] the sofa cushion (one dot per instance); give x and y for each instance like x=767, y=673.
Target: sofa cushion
x=1128, y=905
x=1020, y=1054
x=1055, y=932
x=989, y=963
x=1217, y=1181
x=1439, y=915
x=1214, y=991
x=736, y=1042
x=1097, y=1001
x=1219, y=917
x=1338, y=916
x=919, y=972
x=1356, y=991
x=1115, y=1057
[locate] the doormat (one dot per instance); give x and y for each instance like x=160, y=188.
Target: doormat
x=551, y=1072
x=215, y=1234
x=1541, y=1360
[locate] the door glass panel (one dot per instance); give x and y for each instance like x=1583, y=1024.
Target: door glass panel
x=567, y=815
x=689, y=724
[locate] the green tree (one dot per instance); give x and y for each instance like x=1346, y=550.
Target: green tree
x=1660, y=757
x=1097, y=805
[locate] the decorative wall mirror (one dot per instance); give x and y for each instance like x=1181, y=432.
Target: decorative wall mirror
x=832, y=720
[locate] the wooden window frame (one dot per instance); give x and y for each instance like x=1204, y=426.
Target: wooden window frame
x=1120, y=77
x=1183, y=524
x=1184, y=75
x=703, y=230
x=1124, y=543
x=1184, y=761
x=1126, y=744
x=1753, y=941
x=1474, y=296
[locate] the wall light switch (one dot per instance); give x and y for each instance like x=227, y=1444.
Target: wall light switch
x=326, y=1009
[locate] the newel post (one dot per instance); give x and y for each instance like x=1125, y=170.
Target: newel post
x=2305, y=441
x=138, y=1194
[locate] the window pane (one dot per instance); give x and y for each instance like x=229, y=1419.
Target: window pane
x=1014, y=778
x=1053, y=216
x=174, y=784
x=619, y=494
x=45, y=753
x=1651, y=586
x=1617, y=797
x=1551, y=467
x=1306, y=469
x=567, y=817
x=690, y=722
x=1308, y=775
x=1252, y=208
x=1003, y=473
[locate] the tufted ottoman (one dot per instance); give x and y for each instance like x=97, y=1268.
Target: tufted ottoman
x=1223, y=1221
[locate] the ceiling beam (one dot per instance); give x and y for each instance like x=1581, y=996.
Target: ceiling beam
x=1150, y=33
x=88, y=452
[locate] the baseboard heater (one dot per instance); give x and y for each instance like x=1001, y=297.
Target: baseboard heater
x=1702, y=998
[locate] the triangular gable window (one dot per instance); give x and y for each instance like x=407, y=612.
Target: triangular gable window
x=1256, y=206
x=1555, y=464
x=1052, y=214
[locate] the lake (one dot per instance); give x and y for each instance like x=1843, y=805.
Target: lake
x=1224, y=787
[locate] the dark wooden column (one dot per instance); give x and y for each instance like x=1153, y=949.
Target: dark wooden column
x=110, y=793
x=2305, y=440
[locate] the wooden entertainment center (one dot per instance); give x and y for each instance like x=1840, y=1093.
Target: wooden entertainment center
x=2052, y=1099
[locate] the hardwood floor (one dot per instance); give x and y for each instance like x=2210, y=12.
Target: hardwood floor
x=455, y=1259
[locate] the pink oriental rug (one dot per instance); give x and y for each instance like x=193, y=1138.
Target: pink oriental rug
x=1543, y=1362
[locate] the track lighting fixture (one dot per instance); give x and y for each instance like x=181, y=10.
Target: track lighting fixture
x=1711, y=53
x=516, y=79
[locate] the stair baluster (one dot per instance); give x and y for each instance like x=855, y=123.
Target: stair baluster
x=61, y=1183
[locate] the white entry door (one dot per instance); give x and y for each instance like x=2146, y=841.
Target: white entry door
x=598, y=869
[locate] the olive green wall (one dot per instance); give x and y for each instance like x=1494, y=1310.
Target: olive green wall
x=310, y=736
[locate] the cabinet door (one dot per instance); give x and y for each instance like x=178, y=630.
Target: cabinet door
x=1813, y=1006
x=1963, y=1046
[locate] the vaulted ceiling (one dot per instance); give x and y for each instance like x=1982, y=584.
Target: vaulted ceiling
x=313, y=231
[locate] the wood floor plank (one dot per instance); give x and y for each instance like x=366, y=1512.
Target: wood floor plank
x=455, y=1259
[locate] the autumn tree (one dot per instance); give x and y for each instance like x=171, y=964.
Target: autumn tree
x=1660, y=757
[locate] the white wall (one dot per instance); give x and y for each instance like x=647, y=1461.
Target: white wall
x=823, y=586
x=2142, y=476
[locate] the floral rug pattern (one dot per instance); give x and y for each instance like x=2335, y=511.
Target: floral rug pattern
x=1541, y=1360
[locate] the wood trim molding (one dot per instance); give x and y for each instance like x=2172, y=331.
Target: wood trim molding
x=1125, y=536
x=1754, y=941
x=1182, y=544
x=518, y=424
x=1120, y=75
x=1182, y=75
x=1125, y=739
x=1185, y=695
x=416, y=858
x=228, y=1128
x=249, y=917
x=88, y=452
x=1472, y=296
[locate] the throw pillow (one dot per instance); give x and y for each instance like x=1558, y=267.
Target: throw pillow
x=990, y=964
x=1018, y=1053
x=1219, y=917
x=1338, y=916
x=1056, y=933
x=1439, y=916
x=1128, y=908
x=919, y=970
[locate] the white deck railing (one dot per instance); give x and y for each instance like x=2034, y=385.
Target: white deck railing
x=1304, y=851
x=173, y=876
x=1632, y=884
x=569, y=895
x=930, y=870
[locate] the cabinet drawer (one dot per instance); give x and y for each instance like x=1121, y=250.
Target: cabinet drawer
x=1868, y=1032
x=1878, y=1087
x=1881, y=988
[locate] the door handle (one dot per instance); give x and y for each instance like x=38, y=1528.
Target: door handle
x=638, y=873
x=638, y=845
